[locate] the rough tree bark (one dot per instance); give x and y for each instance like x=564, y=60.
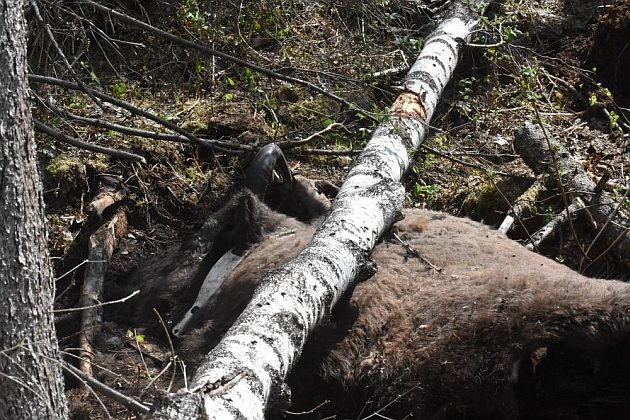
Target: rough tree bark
x=30, y=376
x=248, y=367
x=542, y=153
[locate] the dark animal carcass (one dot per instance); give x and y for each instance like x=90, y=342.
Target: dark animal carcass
x=486, y=330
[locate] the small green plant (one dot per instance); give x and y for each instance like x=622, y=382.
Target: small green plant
x=139, y=338
x=425, y=193
x=120, y=89
x=612, y=120
x=466, y=86
x=592, y=100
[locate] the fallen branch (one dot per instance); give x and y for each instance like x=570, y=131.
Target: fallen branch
x=247, y=369
x=58, y=135
x=132, y=131
x=539, y=151
x=211, y=144
x=101, y=247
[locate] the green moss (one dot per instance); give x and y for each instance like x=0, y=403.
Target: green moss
x=64, y=168
x=484, y=201
x=312, y=108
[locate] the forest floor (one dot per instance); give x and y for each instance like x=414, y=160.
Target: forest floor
x=552, y=62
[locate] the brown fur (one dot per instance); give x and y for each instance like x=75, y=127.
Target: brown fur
x=497, y=333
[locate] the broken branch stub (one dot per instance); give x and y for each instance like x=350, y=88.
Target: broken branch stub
x=247, y=369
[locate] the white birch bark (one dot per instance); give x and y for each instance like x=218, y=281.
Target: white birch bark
x=238, y=378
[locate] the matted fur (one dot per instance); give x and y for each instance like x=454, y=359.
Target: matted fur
x=499, y=332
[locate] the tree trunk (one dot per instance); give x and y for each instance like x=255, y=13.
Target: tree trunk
x=30, y=374
x=248, y=367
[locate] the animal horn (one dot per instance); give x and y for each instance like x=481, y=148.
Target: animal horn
x=260, y=173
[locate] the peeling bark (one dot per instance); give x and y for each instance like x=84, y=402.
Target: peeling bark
x=247, y=369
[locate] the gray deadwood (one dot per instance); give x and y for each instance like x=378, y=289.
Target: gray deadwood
x=30, y=375
x=244, y=374
x=101, y=246
x=542, y=153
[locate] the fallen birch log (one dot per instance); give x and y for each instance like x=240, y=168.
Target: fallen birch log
x=542, y=153
x=248, y=367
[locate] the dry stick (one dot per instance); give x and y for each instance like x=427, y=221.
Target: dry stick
x=109, y=302
x=106, y=391
x=74, y=373
x=133, y=109
x=53, y=41
x=111, y=191
x=324, y=152
x=101, y=247
x=414, y=252
x=285, y=145
x=171, y=347
x=612, y=245
x=525, y=200
x=227, y=57
x=58, y=135
x=158, y=376
x=550, y=228
x=518, y=219
x=104, y=200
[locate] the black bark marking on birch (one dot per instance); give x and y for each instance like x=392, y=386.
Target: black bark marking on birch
x=435, y=60
x=425, y=77
x=367, y=267
x=443, y=38
x=409, y=104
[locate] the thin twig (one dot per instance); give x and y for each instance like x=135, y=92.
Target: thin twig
x=106, y=391
x=53, y=41
x=563, y=192
x=110, y=302
x=225, y=56
x=610, y=218
x=285, y=145
x=464, y=163
x=132, y=131
x=324, y=152
x=131, y=108
x=171, y=347
x=415, y=253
